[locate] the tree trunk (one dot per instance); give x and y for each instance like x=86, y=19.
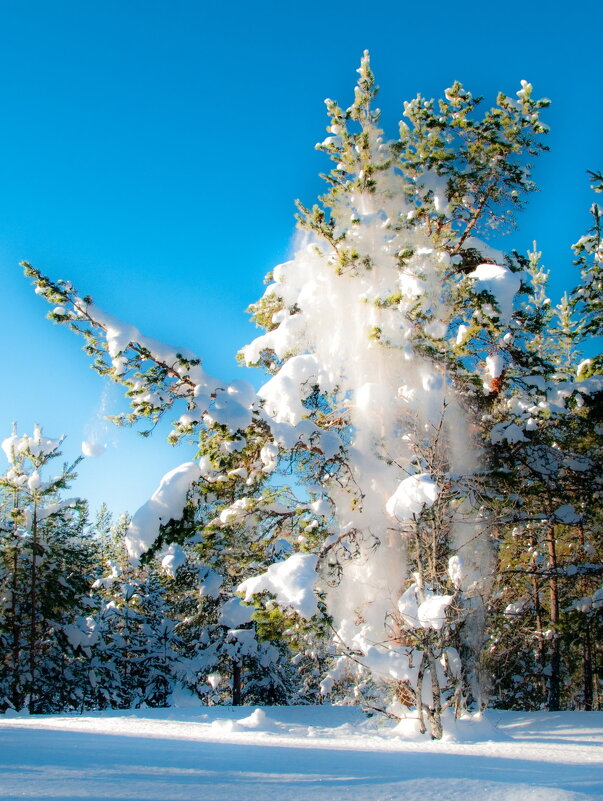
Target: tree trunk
x=419, y=693
x=540, y=658
x=587, y=662
x=16, y=695
x=587, y=649
x=33, y=630
x=435, y=710
x=236, y=683
x=554, y=695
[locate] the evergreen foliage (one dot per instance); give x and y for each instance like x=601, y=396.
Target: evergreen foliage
x=45, y=562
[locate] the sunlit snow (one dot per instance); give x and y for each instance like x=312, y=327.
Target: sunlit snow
x=303, y=753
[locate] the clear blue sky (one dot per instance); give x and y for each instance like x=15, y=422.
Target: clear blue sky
x=150, y=152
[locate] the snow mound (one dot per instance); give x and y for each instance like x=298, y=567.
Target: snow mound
x=479, y=727
x=408, y=728
x=476, y=728
x=259, y=721
x=223, y=726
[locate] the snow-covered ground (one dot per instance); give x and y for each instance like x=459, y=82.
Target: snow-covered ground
x=296, y=753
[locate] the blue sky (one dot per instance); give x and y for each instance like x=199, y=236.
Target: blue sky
x=151, y=152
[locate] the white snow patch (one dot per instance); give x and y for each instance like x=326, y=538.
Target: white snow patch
x=284, y=392
x=173, y=559
x=210, y=582
x=456, y=570
x=235, y=614
x=269, y=457
x=432, y=612
x=258, y=720
x=429, y=613
x=461, y=334
x=509, y=432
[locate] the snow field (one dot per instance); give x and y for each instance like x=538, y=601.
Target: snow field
x=297, y=753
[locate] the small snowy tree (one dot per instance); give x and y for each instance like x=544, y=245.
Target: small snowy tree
x=225, y=657
x=45, y=565
x=135, y=659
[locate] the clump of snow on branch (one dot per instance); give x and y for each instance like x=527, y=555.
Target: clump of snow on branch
x=291, y=582
x=166, y=503
x=412, y=495
x=499, y=282
x=429, y=613
x=173, y=558
x=37, y=446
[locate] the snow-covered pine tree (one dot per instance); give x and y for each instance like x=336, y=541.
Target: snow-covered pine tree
x=395, y=316
x=133, y=648
x=578, y=335
x=547, y=459
x=225, y=534
x=45, y=568
x=135, y=655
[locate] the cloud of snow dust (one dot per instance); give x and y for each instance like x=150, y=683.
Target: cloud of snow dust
x=350, y=329
x=96, y=430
